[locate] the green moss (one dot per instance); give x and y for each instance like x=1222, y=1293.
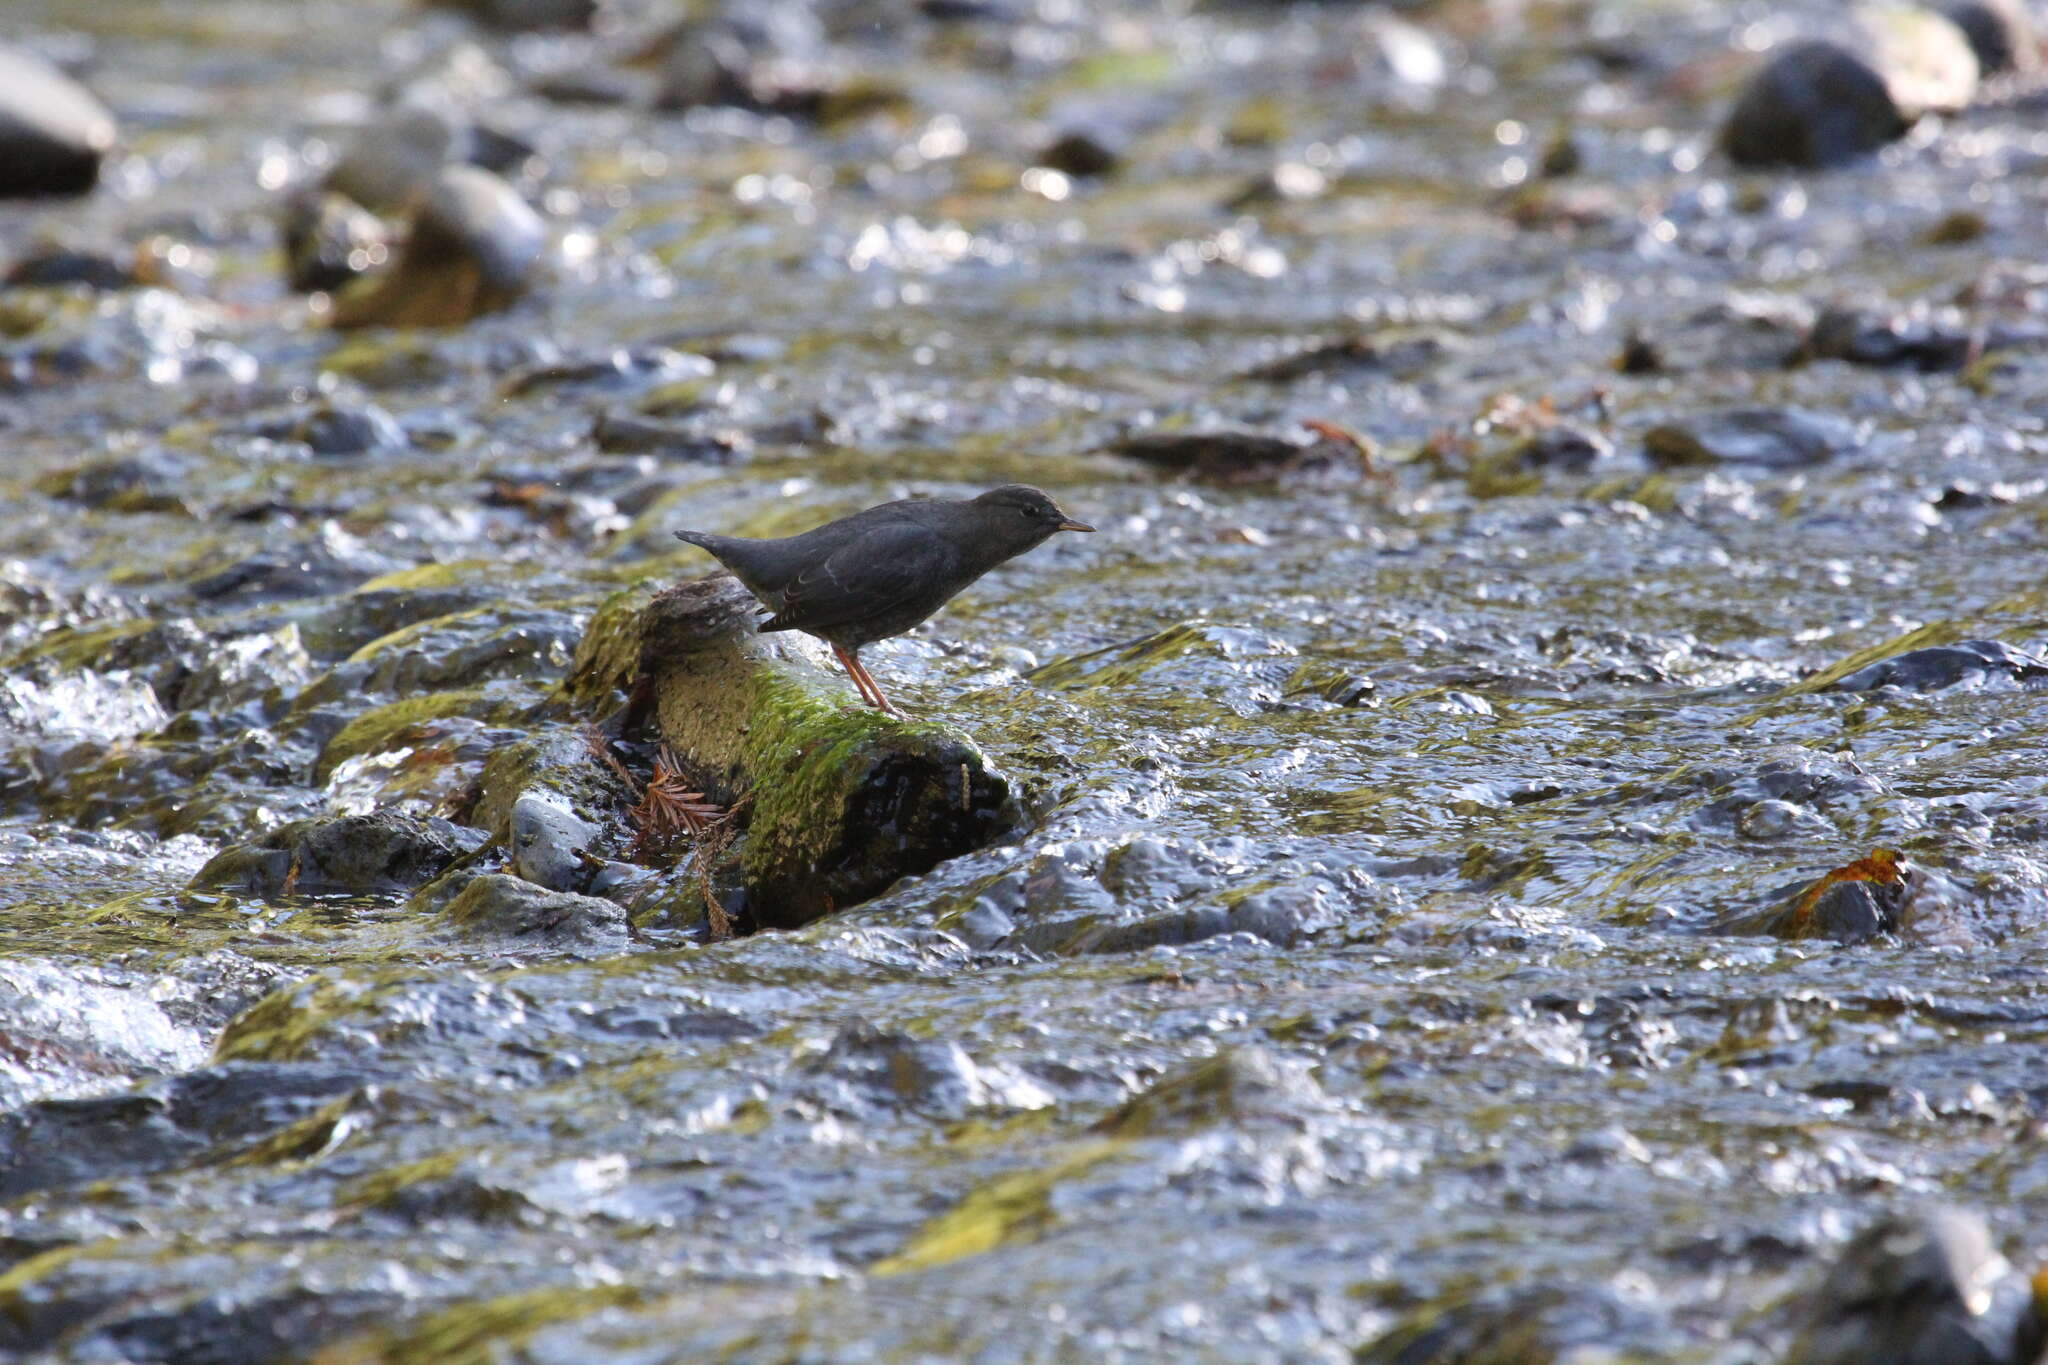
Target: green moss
x=1009, y=1209
x=406, y=635
x=80, y=647
x=804, y=753
x=280, y=1026
x=383, y=727
x=459, y=573
x=608, y=656
x=485, y=1332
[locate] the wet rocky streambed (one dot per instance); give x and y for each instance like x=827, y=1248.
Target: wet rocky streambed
x=1523, y=839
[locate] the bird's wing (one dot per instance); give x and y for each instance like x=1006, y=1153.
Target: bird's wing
x=865, y=577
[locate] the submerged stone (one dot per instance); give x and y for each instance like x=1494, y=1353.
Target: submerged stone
x=1940, y=667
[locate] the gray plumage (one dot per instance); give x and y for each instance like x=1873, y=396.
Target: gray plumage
x=881, y=572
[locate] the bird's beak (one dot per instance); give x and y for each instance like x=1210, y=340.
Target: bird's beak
x=1071, y=525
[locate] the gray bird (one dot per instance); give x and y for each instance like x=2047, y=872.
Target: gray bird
x=880, y=572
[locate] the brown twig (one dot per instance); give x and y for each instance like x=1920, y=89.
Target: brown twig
x=667, y=811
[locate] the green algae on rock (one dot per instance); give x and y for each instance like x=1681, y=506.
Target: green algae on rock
x=842, y=801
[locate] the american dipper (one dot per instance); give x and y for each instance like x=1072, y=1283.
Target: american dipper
x=877, y=573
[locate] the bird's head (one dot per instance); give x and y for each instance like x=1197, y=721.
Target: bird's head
x=1021, y=512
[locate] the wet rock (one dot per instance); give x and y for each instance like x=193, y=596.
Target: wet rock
x=232, y=1328
x=2001, y=32
x=53, y=132
x=846, y=800
x=546, y=838
x=329, y=240
x=1867, y=337
x=460, y=651
x=1758, y=438
x=276, y=576
x=473, y=247
x=57, y=266
x=1402, y=356
x=554, y=764
x=1093, y=135
x=1743, y=332
x=525, y=16
x=1848, y=912
x=1523, y=1325
x=1288, y=182
x=1915, y=1289
x=768, y=60
x=1570, y=449
x=349, y=429
x=869, y=1066
x=1080, y=153
x=623, y=368
x=623, y=432
x=1822, y=103
x=1813, y=105
x=1973, y=663
x=1790, y=773
x=1213, y=456
x=153, y=480
x=496, y=905
x=358, y=855
x=1239, y=1086
x=58, y=1143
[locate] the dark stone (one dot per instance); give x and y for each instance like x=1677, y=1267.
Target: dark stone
x=1944, y=666
x=767, y=60
x=1402, y=356
x=271, y=577
x=53, y=133
x=1569, y=448
x=1915, y=1289
x=2000, y=32
x=332, y=430
x=59, y=266
x=1761, y=438
x=328, y=241
x=628, y=433
x=622, y=369
x=474, y=247
x=512, y=907
x=1080, y=154
x=56, y=1143
x=1220, y=456
x=152, y=480
x=525, y=16
x=1864, y=337
x=1852, y=912
x=357, y=855
x=1522, y=1325
x=227, y=1328
x=1814, y=105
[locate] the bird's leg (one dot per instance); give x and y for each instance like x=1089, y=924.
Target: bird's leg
x=873, y=688
x=861, y=681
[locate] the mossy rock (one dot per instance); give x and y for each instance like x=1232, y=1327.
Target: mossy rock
x=387, y=727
